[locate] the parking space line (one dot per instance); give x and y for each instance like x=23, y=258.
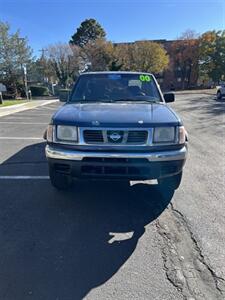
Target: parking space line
x=45, y=108
x=25, y=177
x=30, y=113
x=21, y=123
x=19, y=138
x=22, y=117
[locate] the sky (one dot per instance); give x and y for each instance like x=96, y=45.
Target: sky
x=46, y=22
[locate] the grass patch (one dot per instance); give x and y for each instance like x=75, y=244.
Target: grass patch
x=12, y=102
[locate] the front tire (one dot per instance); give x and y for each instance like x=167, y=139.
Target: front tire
x=58, y=180
x=171, y=183
x=219, y=95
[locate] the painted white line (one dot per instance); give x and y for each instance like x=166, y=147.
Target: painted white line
x=22, y=123
x=19, y=138
x=51, y=110
x=31, y=114
x=12, y=117
x=24, y=177
x=50, y=102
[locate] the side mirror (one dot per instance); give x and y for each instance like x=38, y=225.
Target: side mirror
x=64, y=95
x=169, y=97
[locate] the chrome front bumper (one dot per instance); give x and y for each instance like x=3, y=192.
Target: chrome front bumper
x=157, y=156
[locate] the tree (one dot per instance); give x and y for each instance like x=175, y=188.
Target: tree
x=99, y=55
x=212, y=55
x=14, y=55
x=115, y=66
x=184, y=54
x=89, y=31
x=41, y=70
x=143, y=56
x=63, y=60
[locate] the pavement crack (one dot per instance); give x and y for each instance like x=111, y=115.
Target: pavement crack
x=185, y=265
x=219, y=281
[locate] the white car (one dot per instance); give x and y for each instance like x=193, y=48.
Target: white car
x=221, y=92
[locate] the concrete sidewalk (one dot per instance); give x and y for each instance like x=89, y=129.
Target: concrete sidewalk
x=8, y=110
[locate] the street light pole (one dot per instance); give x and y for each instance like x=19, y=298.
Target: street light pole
x=25, y=81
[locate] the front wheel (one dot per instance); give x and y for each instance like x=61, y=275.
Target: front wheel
x=219, y=95
x=58, y=180
x=172, y=182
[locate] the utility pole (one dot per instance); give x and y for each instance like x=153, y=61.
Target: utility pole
x=25, y=80
x=43, y=62
x=43, y=52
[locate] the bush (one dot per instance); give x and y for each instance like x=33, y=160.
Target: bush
x=8, y=96
x=37, y=90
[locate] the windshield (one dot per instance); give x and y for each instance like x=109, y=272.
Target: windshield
x=115, y=87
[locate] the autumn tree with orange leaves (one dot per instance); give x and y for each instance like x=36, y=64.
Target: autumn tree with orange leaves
x=184, y=55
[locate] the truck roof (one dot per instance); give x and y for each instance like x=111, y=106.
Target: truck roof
x=114, y=72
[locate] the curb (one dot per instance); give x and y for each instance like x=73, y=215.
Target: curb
x=12, y=106
x=5, y=111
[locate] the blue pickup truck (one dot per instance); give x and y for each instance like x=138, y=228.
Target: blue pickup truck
x=116, y=125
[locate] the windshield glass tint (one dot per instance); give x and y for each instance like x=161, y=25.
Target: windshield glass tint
x=115, y=87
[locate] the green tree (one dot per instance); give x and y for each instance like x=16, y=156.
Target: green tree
x=89, y=31
x=14, y=55
x=212, y=55
x=143, y=56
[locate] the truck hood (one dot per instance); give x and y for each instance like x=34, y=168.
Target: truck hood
x=116, y=115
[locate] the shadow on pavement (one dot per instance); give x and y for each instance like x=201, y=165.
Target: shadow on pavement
x=210, y=106
x=29, y=161
x=60, y=245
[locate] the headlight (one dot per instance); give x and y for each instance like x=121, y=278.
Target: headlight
x=49, y=133
x=182, y=134
x=164, y=135
x=67, y=133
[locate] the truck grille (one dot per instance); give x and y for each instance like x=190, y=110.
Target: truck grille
x=137, y=137
x=93, y=136
x=131, y=137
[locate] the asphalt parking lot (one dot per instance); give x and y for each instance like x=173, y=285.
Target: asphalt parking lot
x=103, y=240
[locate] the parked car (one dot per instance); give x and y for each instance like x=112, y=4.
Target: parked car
x=116, y=125
x=221, y=91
